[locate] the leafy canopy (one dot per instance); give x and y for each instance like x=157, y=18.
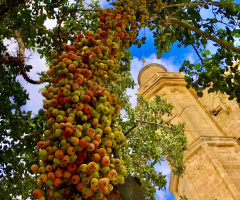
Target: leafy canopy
x=180, y=22
x=212, y=29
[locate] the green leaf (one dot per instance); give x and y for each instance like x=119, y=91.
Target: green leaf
x=40, y=51
x=236, y=8
x=159, y=53
x=186, y=62
x=213, y=20
x=5, y=194
x=197, y=66
x=200, y=94
x=179, y=45
x=29, y=113
x=32, y=33
x=182, y=69
x=28, y=185
x=188, y=78
x=40, y=20
x=207, y=52
x=211, y=90
x=206, y=6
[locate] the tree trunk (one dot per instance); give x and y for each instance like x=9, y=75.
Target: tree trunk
x=114, y=195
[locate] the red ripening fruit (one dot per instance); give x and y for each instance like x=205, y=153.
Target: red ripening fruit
x=102, y=19
x=37, y=193
x=67, y=47
x=57, y=182
x=84, y=72
x=83, y=142
x=81, y=155
x=120, y=24
x=84, y=59
x=78, y=162
x=80, y=36
x=67, y=132
x=104, y=34
x=41, y=144
x=73, y=48
x=91, y=39
x=45, y=93
x=71, y=167
x=54, y=102
x=86, y=99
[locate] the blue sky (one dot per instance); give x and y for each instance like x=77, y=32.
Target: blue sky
x=171, y=61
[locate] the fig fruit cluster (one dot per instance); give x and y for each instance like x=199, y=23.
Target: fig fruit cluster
x=80, y=155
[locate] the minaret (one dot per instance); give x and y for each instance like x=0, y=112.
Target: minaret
x=212, y=127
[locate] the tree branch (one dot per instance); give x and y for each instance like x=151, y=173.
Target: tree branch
x=21, y=45
x=8, y=5
x=133, y=127
x=199, y=4
x=150, y=123
x=20, y=59
x=26, y=77
x=202, y=33
x=154, y=123
x=10, y=59
x=197, y=53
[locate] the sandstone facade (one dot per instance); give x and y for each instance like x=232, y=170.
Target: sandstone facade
x=212, y=126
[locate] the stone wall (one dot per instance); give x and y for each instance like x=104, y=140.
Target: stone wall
x=224, y=112
x=212, y=126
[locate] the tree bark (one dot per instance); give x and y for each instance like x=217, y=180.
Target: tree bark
x=21, y=52
x=10, y=59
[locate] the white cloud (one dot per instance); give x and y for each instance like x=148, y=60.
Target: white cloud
x=210, y=47
x=50, y=23
x=190, y=57
x=12, y=46
x=38, y=64
x=137, y=65
x=167, y=63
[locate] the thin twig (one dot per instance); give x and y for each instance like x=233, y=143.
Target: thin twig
x=197, y=53
x=145, y=122
x=133, y=127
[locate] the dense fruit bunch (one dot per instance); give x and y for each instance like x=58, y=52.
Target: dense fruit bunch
x=80, y=154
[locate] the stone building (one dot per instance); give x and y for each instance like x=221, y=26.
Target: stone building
x=212, y=126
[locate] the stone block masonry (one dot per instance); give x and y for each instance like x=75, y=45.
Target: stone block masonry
x=212, y=128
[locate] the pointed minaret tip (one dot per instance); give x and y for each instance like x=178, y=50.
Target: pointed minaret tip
x=144, y=62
